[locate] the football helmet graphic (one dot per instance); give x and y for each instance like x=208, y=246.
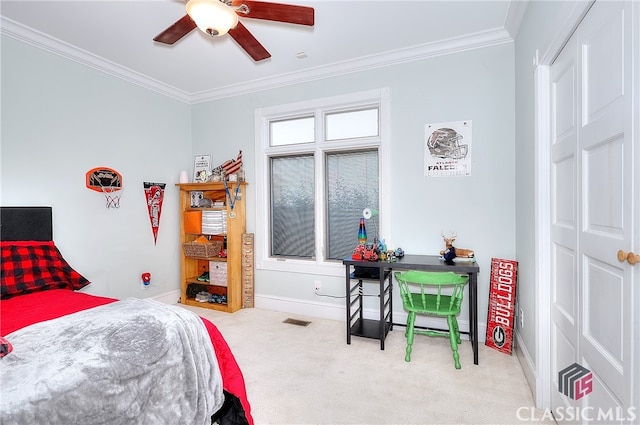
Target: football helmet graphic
x=444, y=143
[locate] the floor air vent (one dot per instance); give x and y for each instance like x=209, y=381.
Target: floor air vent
x=296, y=322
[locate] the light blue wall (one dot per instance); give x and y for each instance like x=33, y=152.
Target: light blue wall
x=476, y=85
x=541, y=23
x=59, y=120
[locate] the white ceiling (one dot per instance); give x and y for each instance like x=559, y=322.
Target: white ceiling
x=116, y=36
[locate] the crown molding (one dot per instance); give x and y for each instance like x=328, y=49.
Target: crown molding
x=515, y=15
x=441, y=48
x=395, y=57
x=45, y=42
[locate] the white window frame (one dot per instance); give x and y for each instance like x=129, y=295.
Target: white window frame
x=318, y=107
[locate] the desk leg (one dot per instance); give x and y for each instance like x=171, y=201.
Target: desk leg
x=391, y=301
x=473, y=314
x=383, y=324
x=348, y=292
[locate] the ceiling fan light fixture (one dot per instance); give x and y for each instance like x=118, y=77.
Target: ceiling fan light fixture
x=212, y=16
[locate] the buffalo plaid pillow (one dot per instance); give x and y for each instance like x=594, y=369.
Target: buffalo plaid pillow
x=30, y=266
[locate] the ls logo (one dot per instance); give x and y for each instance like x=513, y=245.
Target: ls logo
x=575, y=381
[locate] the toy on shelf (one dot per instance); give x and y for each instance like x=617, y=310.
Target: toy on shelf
x=450, y=252
x=230, y=170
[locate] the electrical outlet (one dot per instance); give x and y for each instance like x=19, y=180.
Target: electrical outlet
x=521, y=314
x=317, y=285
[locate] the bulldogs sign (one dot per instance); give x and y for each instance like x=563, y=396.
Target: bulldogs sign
x=502, y=300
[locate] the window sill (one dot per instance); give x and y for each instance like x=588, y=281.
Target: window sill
x=328, y=268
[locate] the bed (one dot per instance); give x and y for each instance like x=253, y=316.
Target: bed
x=68, y=357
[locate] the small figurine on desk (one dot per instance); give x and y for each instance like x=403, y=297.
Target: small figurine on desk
x=450, y=252
x=393, y=254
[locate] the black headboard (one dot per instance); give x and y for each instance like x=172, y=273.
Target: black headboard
x=26, y=224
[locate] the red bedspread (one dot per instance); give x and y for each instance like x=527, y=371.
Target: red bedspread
x=24, y=310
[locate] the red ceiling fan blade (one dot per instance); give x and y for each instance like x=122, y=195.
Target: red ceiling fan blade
x=176, y=31
x=301, y=15
x=248, y=42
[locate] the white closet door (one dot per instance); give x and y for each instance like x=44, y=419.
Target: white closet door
x=592, y=213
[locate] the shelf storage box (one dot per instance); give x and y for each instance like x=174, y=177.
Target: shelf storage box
x=193, y=222
x=218, y=273
x=214, y=222
x=202, y=250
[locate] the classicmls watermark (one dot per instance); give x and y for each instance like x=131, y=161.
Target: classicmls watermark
x=575, y=382
x=578, y=414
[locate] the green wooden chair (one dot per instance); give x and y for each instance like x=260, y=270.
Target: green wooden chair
x=422, y=293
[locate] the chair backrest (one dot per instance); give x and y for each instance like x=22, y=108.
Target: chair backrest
x=427, y=282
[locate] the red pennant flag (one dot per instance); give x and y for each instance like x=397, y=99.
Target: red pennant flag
x=155, y=195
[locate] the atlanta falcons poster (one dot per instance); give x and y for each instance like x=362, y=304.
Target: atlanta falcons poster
x=447, y=149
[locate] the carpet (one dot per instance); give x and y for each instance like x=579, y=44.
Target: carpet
x=309, y=375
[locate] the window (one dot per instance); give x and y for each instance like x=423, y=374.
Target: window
x=292, y=230
x=321, y=163
x=352, y=181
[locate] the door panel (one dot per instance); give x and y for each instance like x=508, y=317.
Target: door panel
x=565, y=96
x=602, y=41
x=564, y=295
x=609, y=410
x=603, y=326
x=604, y=173
x=564, y=200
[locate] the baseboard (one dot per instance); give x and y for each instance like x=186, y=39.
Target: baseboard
x=338, y=312
x=300, y=307
x=170, y=297
x=527, y=365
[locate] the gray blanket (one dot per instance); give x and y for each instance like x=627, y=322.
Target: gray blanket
x=129, y=362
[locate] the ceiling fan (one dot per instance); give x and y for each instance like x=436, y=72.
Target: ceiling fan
x=217, y=17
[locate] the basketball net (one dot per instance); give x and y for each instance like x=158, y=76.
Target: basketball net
x=112, y=195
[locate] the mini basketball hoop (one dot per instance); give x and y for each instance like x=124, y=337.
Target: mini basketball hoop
x=108, y=181
x=112, y=195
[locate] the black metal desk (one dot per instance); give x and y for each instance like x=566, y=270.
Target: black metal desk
x=412, y=262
